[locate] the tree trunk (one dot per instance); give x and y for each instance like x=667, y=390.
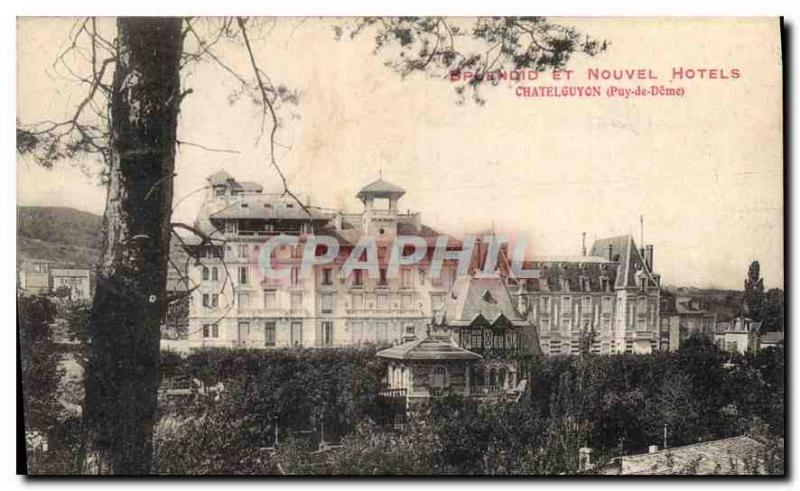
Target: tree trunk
x=123, y=375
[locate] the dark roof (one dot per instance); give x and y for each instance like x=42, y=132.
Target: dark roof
x=248, y=186
x=429, y=348
x=219, y=178
x=772, y=337
x=716, y=457
x=473, y=296
x=261, y=209
x=623, y=250
x=381, y=189
x=560, y=276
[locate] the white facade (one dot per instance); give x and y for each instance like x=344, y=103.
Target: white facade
x=235, y=305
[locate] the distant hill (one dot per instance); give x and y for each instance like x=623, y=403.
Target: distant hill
x=68, y=237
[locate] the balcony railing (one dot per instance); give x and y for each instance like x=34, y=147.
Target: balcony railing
x=486, y=391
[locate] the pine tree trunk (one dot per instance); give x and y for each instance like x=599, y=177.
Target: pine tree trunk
x=129, y=300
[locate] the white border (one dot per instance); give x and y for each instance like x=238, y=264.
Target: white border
x=627, y=8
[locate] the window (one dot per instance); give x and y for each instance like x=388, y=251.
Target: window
x=205, y=273
x=476, y=339
x=242, y=250
x=243, y=332
x=411, y=329
x=210, y=330
x=382, y=279
x=230, y=226
x=439, y=379
x=406, y=301
x=586, y=307
x=358, y=301
x=269, y=334
x=437, y=302
x=383, y=301
x=270, y=299
x=327, y=274
x=214, y=274
x=297, y=334
x=545, y=305
x=406, y=278
x=297, y=251
x=244, y=275
x=358, y=277
x=327, y=333
x=206, y=302
x=607, y=306
x=295, y=276
x=565, y=305
x=357, y=332
x=243, y=300
x=296, y=301
x=383, y=332
x=545, y=325
x=327, y=303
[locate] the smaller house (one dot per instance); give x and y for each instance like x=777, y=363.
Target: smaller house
x=737, y=336
x=770, y=340
x=34, y=276
x=739, y=455
x=77, y=280
x=429, y=367
x=681, y=318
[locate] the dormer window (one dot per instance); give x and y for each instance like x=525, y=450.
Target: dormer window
x=487, y=297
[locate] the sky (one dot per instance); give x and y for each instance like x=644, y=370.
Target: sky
x=704, y=170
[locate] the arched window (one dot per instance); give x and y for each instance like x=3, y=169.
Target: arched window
x=439, y=378
x=501, y=376
x=492, y=377
x=205, y=273
x=214, y=274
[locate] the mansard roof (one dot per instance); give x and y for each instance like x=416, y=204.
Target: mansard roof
x=430, y=348
x=575, y=276
x=381, y=189
x=623, y=250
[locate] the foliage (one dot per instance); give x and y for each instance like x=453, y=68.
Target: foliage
x=304, y=388
x=40, y=359
x=481, y=46
x=372, y=451
x=753, y=292
x=774, y=310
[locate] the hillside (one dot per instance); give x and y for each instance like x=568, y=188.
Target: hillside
x=68, y=237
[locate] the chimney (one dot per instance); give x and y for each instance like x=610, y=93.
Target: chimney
x=652, y=449
x=584, y=459
x=648, y=256
x=583, y=244
x=610, y=252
